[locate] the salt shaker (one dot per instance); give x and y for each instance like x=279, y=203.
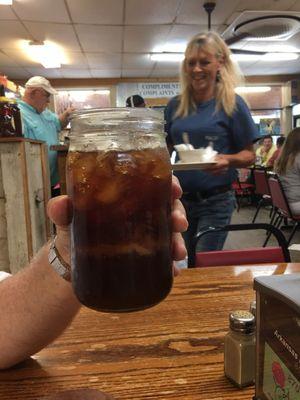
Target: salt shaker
x=239, y=349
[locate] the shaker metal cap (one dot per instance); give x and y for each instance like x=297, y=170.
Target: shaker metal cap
x=242, y=321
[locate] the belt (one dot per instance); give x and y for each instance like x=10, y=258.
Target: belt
x=200, y=195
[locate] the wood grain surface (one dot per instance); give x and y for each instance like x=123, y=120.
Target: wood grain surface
x=171, y=351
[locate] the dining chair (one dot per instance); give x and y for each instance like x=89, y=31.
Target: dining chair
x=244, y=256
x=242, y=190
x=281, y=204
x=262, y=189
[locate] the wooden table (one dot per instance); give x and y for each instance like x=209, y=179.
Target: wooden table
x=171, y=351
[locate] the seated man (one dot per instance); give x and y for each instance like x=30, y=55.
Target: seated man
x=37, y=304
x=265, y=151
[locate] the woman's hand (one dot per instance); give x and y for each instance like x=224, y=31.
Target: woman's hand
x=179, y=224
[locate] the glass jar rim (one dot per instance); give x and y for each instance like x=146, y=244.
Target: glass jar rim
x=119, y=113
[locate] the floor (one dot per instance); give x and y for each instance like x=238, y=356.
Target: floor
x=255, y=238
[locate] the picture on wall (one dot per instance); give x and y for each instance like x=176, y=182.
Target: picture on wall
x=269, y=126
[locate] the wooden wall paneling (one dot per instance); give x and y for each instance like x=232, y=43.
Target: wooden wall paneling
x=24, y=193
x=4, y=256
x=37, y=196
x=46, y=186
x=16, y=194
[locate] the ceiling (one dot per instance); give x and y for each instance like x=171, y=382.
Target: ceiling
x=113, y=38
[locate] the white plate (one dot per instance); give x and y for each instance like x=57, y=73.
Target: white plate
x=181, y=166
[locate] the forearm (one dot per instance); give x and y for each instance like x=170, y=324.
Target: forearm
x=42, y=306
x=244, y=158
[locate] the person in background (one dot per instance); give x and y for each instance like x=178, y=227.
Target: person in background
x=265, y=151
x=37, y=304
x=135, y=101
x=39, y=122
x=209, y=111
x=279, y=143
x=288, y=169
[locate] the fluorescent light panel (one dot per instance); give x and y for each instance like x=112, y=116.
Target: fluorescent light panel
x=47, y=53
x=252, y=89
x=264, y=57
x=6, y=2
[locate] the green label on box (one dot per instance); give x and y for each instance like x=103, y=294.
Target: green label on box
x=278, y=382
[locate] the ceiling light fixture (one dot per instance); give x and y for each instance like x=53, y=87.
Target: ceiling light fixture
x=271, y=56
x=6, y=2
x=46, y=53
x=252, y=89
x=171, y=57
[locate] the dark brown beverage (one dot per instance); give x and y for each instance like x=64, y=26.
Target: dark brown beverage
x=121, y=236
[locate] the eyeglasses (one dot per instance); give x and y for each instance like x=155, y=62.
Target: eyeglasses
x=46, y=94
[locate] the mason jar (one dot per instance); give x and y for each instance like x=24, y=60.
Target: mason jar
x=119, y=183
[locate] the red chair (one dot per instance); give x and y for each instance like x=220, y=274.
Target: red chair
x=243, y=256
x=263, y=190
x=281, y=204
x=242, y=190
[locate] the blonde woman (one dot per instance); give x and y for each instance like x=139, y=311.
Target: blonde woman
x=288, y=169
x=208, y=110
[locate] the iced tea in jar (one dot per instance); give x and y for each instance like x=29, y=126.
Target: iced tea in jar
x=119, y=182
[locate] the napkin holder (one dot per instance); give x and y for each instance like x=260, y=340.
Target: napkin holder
x=277, y=337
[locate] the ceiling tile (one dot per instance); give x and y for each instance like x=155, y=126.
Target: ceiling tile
x=192, y=12
x=151, y=12
x=144, y=38
x=41, y=10
x=181, y=34
x=164, y=73
x=100, y=38
x=136, y=73
x=75, y=60
x=7, y=13
x=12, y=32
x=275, y=5
x=61, y=34
x=20, y=58
x=6, y=60
x=75, y=73
x=46, y=72
x=96, y=12
x=106, y=73
x=137, y=61
x=104, y=61
x=15, y=72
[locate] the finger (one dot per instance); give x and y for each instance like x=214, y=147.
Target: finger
x=176, y=188
x=179, y=221
x=176, y=270
x=178, y=249
x=59, y=210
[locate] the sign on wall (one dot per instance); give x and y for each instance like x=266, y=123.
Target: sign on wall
x=153, y=90
x=148, y=90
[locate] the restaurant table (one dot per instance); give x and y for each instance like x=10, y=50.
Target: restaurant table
x=171, y=351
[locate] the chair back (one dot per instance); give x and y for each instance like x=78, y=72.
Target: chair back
x=278, y=197
x=261, y=182
x=243, y=256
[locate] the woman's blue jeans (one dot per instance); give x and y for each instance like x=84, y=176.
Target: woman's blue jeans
x=215, y=210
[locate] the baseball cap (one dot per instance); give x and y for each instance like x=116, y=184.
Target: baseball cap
x=40, y=82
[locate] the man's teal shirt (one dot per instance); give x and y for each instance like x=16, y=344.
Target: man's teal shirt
x=42, y=126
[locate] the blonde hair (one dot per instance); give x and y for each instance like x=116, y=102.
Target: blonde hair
x=289, y=151
x=230, y=75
